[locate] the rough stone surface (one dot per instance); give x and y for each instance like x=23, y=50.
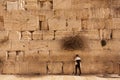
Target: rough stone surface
x=32, y=33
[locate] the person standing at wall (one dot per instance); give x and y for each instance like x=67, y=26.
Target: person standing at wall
x=77, y=64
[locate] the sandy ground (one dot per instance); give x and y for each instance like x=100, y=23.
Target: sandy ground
x=56, y=77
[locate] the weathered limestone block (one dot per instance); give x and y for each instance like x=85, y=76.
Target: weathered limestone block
x=38, y=45
x=115, y=12
x=89, y=34
x=20, y=56
x=3, y=34
x=17, y=68
x=46, y=5
x=26, y=35
x=93, y=24
x=61, y=55
x=57, y=24
x=37, y=35
x=99, y=13
x=72, y=14
x=74, y=25
x=115, y=3
x=42, y=18
x=48, y=35
x=93, y=44
x=11, y=55
x=43, y=55
x=44, y=25
x=68, y=67
x=3, y=55
x=37, y=67
x=31, y=55
x=116, y=23
x=1, y=23
x=62, y=34
x=100, y=3
x=19, y=45
x=12, y=5
x=55, y=68
x=47, y=13
x=23, y=21
x=4, y=40
x=24, y=68
x=105, y=34
x=59, y=4
x=116, y=34
x=112, y=45
x=9, y=67
x=54, y=45
x=31, y=5
x=14, y=35
x=78, y=4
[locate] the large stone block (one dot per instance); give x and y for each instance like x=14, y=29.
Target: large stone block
x=37, y=35
x=74, y=25
x=37, y=67
x=115, y=12
x=23, y=21
x=54, y=45
x=11, y=55
x=61, y=55
x=55, y=67
x=59, y=4
x=24, y=68
x=12, y=5
x=20, y=56
x=93, y=24
x=36, y=55
x=116, y=23
x=57, y=24
x=48, y=35
x=105, y=34
x=93, y=44
x=31, y=55
x=116, y=34
x=115, y=3
x=26, y=35
x=44, y=25
x=3, y=55
x=89, y=34
x=38, y=45
x=62, y=34
x=68, y=67
x=9, y=68
x=5, y=43
x=1, y=23
x=3, y=35
x=14, y=35
x=19, y=45
x=112, y=45
x=43, y=55
x=99, y=13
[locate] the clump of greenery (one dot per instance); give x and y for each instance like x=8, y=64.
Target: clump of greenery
x=73, y=43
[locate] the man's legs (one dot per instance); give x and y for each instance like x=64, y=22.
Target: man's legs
x=75, y=69
x=79, y=70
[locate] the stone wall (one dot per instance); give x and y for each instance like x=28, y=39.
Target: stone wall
x=31, y=33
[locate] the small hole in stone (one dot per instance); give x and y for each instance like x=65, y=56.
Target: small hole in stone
x=103, y=43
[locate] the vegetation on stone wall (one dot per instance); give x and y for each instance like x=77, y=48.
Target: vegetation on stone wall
x=73, y=43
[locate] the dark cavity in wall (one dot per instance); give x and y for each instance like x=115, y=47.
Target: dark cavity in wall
x=73, y=43
x=103, y=43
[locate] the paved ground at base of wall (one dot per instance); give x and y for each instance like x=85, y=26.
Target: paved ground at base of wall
x=56, y=77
